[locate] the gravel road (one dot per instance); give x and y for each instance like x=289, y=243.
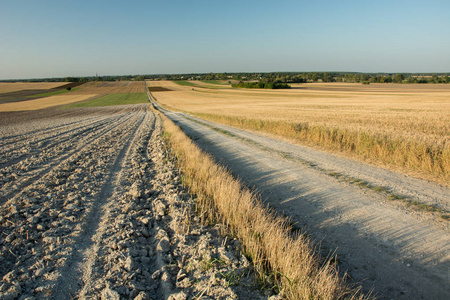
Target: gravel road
x=388, y=248
x=93, y=208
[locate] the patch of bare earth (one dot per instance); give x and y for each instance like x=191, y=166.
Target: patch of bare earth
x=93, y=207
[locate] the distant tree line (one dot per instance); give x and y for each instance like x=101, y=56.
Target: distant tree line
x=261, y=85
x=270, y=77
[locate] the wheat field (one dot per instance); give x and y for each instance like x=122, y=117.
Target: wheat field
x=402, y=127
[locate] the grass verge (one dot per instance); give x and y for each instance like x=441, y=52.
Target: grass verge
x=431, y=161
x=283, y=259
x=113, y=99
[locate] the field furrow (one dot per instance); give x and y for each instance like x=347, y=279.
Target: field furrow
x=92, y=235
x=42, y=146
x=24, y=172
x=41, y=137
x=43, y=222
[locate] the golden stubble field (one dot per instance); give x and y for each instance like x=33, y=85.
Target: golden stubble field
x=405, y=127
x=86, y=91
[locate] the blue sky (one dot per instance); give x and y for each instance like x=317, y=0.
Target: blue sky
x=58, y=38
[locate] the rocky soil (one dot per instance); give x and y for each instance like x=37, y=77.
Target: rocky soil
x=93, y=208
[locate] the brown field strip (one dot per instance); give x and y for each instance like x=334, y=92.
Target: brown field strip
x=405, y=127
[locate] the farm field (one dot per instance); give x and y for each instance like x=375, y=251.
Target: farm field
x=115, y=87
x=401, y=127
x=19, y=100
x=31, y=91
x=113, y=99
x=45, y=102
x=8, y=87
x=92, y=207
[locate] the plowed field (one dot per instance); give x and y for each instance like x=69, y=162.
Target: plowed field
x=92, y=207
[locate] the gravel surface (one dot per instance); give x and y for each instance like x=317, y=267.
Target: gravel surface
x=387, y=247
x=93, y=208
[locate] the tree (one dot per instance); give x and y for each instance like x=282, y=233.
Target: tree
x=71, y=79
x=398, y=78
x=314, y=77
x=434, y=79
x=387, y=79
x=364, y=78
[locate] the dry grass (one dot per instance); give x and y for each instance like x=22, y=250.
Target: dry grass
x=44, y=102
x=278, y=256
x=7, y=87
x=402, y=127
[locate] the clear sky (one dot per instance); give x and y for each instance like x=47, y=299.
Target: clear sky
x=59, y=38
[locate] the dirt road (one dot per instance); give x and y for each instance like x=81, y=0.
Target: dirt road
x=92, y=208
x=381, y=244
